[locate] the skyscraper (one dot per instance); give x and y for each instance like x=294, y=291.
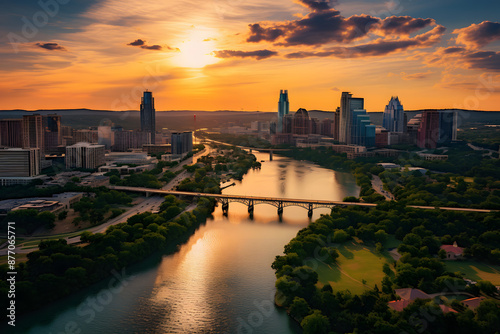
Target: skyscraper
x=148, y=121
x=348, y=104
x=52, y=132
x=11, y=132
x=283, y=109
x=85, y=155
x=436, y=128
x=33, y=134
x=394, y=116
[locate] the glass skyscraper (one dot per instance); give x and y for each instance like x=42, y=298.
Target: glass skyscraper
x=148, y=121
x=283, y=109
x=394, y=116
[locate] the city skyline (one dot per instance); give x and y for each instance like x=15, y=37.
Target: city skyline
x=230, y=55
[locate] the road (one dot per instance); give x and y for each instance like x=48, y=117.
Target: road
x=378, y=186
x=150, y=204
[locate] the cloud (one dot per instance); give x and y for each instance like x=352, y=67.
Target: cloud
x=151, y=47
x=404, y=24
x=378, y=47
x=142, y=44
x=415, y=76
x=318, y=5
x=325, y=25
x=478, y=35
x=51, y=46
x=137, y=42
x=485, y=60
x=458, y=57
x=258, y=54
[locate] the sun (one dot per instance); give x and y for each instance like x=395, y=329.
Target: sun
x=196, y=49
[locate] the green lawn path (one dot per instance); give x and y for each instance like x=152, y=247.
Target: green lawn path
x=476, y=271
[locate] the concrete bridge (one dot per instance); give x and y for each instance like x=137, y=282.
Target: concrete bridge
x=278, y=202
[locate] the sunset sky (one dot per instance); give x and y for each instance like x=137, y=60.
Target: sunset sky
x=238, y=54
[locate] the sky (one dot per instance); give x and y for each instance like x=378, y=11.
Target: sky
x=238, y=54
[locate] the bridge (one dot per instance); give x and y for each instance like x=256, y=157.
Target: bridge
x=278, y=202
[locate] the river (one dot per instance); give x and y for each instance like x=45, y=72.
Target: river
x=220, y=281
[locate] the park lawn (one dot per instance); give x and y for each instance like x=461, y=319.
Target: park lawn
x=355, y=264
x=476, y=271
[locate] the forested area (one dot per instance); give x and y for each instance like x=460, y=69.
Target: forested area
x=421, y=233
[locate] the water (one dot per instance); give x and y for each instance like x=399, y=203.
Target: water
x=220, y=281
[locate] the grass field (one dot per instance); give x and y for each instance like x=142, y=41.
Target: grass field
x=476, y=271
x=355, y=264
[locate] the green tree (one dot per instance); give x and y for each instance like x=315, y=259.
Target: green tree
x=62, y=215
x=299, y=308
x=315, y=323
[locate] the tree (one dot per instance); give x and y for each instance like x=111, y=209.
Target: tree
x=75, y=179
x=299, y=308
x=315, y=323
x=62, y=215
x=47, y=218
x=340, y=236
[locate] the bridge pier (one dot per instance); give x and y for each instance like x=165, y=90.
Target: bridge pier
x=280, y=208
x=250, y=206
x=225, y=206
x=270, y=155
x=310, y=210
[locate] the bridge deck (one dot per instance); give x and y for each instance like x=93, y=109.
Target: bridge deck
x=279, y=199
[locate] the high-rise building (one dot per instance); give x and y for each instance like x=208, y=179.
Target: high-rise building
x=283, y=109
x=52, y=132
x=19, y=162
x=348, y=104
x=85, y=155
x=437, y=128
x=182, y=142
x=33, y=133
x=301, y=122
x=394, y=119
x=148, y=120
x=128, y=139
x=11, y=132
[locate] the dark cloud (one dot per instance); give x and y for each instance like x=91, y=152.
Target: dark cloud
x=377, y=48
x=478, y=35
x=325, y=25
x=484, y=60
x=258, y=54
x=142, y=44
x=404, y=24
x=51, y=46
x=258, y=33
x=318, y=5
x=137, y=42
x=151, y=47
x=453, y=49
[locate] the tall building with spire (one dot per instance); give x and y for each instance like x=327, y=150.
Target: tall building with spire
x=148, y=120
x=283, y=109
x=394, y=118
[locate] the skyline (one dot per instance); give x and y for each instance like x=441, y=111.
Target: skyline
x=104, y=54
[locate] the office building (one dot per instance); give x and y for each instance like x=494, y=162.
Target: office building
x=52, y=132
x=437, y=128
x=301, y=122
x=148, y=120
x=125, y=140
x=33, y=133
x=85, y=155
x=283, y=109
x=11, y=132
x=394, y=118
x=348, y=104
x=182, y=142
x=19, y=162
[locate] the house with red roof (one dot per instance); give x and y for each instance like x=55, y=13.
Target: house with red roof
x=473, y=303
x=453, y=252
x=408, y=296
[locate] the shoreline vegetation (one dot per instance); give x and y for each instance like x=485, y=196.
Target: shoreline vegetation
x=57, y=269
